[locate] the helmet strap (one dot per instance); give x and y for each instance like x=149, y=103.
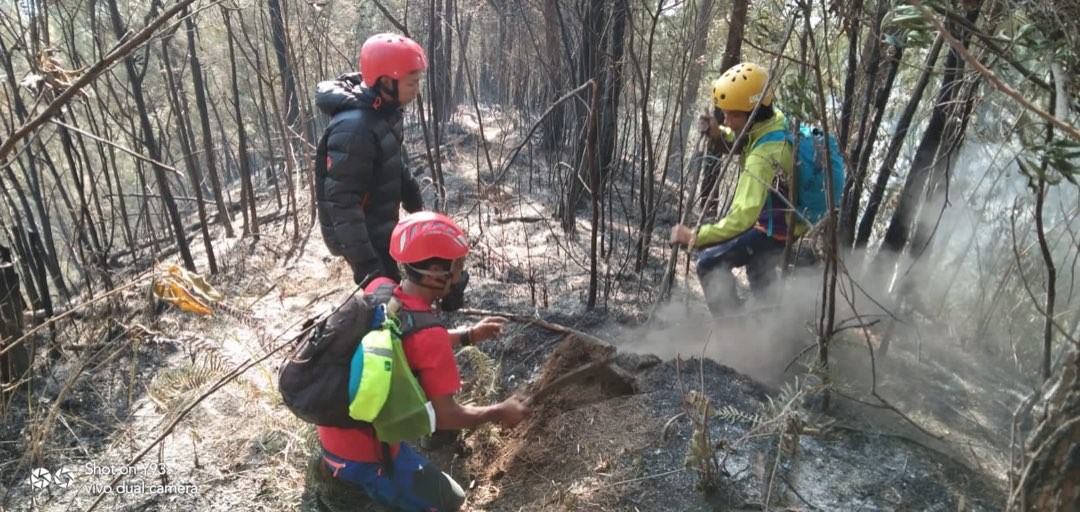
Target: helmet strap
x=394, y=90
x=444, y=275
x=391, y=91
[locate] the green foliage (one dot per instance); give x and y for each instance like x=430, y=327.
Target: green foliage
x=797, y=96
x=1052, y=161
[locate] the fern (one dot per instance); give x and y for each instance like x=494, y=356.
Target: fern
x=731, y=414
x=482, y=389
x=171, y=387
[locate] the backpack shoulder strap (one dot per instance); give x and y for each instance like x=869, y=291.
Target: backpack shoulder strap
x=773, y=136
x=409, y=321
x=384, y=292
x=416, y=321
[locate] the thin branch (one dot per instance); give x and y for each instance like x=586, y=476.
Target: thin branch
x=525, y=140
x=390, y=17
x=117, y=146
x=1031, y=293
x=90, y=75
x=538, y=321
x=992, y=78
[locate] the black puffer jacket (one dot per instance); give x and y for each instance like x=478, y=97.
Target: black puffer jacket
x=361, y=176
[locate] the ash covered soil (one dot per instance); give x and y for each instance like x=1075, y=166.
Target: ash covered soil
x=623, y=436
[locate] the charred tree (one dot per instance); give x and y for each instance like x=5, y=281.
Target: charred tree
x=150, y=142
x=15, y=362
x=885, y=171
x=1047, y=477
x=178, y=98
x=198, y=83
x=247, y=193
x=927, y=155
x=865, y=136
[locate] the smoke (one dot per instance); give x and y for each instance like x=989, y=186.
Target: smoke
x=762, y=340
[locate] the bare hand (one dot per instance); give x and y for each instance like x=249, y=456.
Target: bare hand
x=512, y=411
x=487, y=328
x=708, y=125
x=682, y=235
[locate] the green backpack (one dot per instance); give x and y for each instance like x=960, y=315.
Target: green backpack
x=383, y=390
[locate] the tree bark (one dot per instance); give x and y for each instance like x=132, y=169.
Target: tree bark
x=179, y=103
x=877, y=194
x=853, y=185
x=15, y=363
x=1048, y=477
x=736, y=29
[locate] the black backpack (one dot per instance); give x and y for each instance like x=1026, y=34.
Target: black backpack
x=314, y=381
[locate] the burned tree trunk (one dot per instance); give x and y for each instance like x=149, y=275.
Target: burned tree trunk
x=199, y=84
x=1048, y=475
x=247, y=192
x=15, y=362
x=150, y=140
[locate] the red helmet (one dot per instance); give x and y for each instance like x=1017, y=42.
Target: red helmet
x=424, y=235
x=390, y=55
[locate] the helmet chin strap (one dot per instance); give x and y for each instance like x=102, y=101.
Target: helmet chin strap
x=435, y=274
x=392, y=91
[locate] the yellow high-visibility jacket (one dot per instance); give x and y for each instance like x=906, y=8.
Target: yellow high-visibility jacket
x=759, y=167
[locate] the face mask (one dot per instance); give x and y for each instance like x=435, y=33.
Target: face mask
x=454, y=300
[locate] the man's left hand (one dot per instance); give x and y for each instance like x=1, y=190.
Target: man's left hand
x=487, y=328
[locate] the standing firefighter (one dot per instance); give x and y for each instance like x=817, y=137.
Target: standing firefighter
x=432, y=250
x=361, y=176
x=753, y=232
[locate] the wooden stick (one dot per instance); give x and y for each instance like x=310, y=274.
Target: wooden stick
x=528, y=319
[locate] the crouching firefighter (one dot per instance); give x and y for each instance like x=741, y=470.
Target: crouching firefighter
x=432, y=250
x=752, y=234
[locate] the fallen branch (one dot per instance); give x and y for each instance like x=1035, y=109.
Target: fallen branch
x=537, y=321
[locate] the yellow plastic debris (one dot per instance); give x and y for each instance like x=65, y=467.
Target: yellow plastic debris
x=186, y=290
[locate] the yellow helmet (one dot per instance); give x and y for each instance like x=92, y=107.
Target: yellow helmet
x=740, y=87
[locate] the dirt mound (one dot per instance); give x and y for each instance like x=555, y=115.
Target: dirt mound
x=579, y=400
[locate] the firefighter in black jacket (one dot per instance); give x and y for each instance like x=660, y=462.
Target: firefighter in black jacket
x=361, y=176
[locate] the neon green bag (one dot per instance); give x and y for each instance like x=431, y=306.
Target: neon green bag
x=370, y=375
x=382, y=388
x=407, y=413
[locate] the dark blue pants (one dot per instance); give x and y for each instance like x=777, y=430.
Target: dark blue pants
x=758, y=252
x=415, y=485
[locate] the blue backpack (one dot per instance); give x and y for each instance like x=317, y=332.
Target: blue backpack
x=811, y=164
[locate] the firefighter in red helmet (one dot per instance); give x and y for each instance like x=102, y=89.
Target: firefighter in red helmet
x=362, y=177
x=432, y=249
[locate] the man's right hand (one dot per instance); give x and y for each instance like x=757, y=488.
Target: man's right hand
x=512, y=411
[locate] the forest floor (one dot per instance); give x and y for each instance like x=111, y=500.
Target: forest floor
x=131, y=373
